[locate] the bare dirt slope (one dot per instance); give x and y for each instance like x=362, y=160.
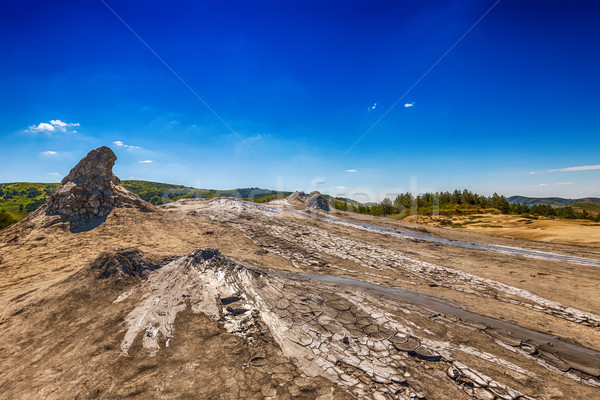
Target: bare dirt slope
x=223, y=299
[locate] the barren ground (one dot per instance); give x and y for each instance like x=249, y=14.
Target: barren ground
x=272, y=313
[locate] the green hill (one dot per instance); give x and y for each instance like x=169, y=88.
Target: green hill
x=555, y=202
x=20, y=198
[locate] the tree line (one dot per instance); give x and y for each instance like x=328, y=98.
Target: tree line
x=458, y=202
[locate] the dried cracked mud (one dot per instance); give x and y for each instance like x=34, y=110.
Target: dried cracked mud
x=224, y=299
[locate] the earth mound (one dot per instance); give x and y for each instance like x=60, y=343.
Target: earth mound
x=90, y=191
x=298, y=196
x=123, y=264
x=317, y=201
x=313, y=201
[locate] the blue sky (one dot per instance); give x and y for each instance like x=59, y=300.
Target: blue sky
x=512, y=108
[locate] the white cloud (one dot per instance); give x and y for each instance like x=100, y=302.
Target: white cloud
x=372, y=107
x=580, y=168
x=351, y=170
x=49, y=153
x=542, y=184
x=118, y=143
x=58, y=122
x=409, y=105
x=52, y=126
x=532, y=173
x=146, y=161
x=340, y=187
x=42, y=127
x=52, y=173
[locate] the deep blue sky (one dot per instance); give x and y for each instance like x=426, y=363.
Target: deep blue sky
x=517, y=98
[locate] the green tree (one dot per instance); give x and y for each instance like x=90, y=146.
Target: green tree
x=387, y=207
x=567, y=212
x=6, y=219
x=33, y=192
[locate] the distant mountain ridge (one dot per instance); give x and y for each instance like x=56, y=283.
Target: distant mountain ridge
x=551, y=201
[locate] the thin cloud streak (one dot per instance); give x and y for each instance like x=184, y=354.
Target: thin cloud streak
x=573, y=169
x=555, y=183
x=118, y=143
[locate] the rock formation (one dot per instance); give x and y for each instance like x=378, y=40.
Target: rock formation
x=89, y=193
x=298, y=196
x=313, y=201
x=317, y=201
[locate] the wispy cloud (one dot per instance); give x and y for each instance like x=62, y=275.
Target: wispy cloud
x=374, y=106
x=49, y=153
x=351, y=171
x=146, y=161
x=532, y=173
x=52, y=173
x=555, y=183
x=118, y=143
x=55, y=125
x=409, y=105
x=340, y=187
x=580, y=168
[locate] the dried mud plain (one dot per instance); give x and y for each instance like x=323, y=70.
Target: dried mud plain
x=223, y=299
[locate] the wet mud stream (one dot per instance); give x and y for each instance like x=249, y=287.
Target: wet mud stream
x=507, y=250
x=559, y=353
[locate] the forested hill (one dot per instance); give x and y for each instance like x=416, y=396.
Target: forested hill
x=551, y=201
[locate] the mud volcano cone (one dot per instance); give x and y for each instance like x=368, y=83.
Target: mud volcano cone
x=90, y=191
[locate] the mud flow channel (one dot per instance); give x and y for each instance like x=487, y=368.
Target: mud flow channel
x=508, y=250
x=571, y=355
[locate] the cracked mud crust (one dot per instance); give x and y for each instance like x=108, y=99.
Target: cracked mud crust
x=225, y=299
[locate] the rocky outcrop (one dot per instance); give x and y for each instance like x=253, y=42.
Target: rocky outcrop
x=123, y=264
x=90, y=191
x=313, y=201
x=298, y=196
x=316, y=201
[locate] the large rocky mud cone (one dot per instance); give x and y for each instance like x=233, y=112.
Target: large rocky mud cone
x=317, y=201
x=89, y=193
x=313, y=201
x=298, y=196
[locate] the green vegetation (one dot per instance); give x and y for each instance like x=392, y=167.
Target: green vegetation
x=6, y=219
x=464, y=203
x=19, y=199
x=161, y=193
